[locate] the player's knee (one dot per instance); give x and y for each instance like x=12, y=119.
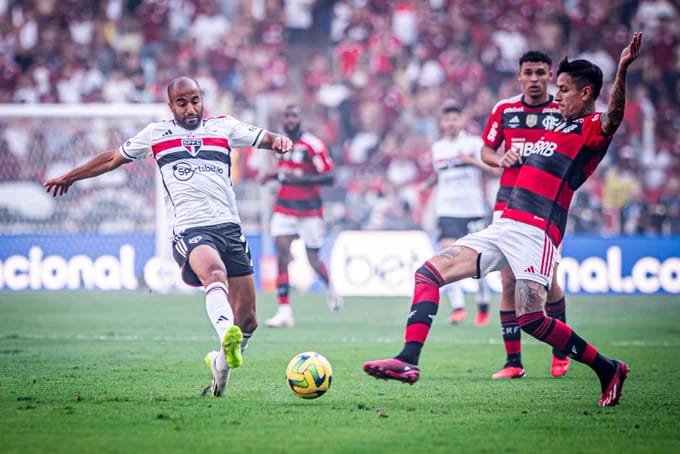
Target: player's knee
x=213, y=275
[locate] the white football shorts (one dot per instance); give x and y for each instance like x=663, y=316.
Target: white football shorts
x=310, y=229
x=558, y=253
x=526, y=249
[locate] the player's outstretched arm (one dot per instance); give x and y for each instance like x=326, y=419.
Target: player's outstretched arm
x=490, y=156
x=617, y=102
x=277, y=142
x=102, y=163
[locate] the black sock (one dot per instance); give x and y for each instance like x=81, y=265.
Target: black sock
x=410, y=353
x=605, y=369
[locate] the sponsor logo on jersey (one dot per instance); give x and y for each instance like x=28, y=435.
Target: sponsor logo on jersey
x=532, y=120
x=184, y=171
x=195, y=239
x=514, y=122
x=541, y=147
x=564, y=128
x=493, y=132
x=193, y=146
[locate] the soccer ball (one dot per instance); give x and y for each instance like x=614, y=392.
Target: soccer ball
x=309, y=375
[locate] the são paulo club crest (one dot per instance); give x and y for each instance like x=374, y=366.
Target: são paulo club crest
x=193, y=145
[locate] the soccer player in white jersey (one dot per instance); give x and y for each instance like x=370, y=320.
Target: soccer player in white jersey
x=193, y=156
x=461, y=207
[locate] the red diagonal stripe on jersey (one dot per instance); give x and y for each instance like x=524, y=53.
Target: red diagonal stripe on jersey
x=165, y=145
x=216, y=141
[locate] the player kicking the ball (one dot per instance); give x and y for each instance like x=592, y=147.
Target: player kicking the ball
x=193, y=156
x=530, y=229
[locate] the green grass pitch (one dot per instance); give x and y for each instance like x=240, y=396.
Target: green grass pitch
x=122, y=372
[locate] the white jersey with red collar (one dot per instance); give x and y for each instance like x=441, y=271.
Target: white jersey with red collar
x=459, y=184
x=195, y=167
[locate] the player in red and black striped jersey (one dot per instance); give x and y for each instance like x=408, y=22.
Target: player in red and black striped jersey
x=299, y=210
x=530, y=229
x=518, y=123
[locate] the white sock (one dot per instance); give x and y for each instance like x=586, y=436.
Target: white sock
x=455, y=294
x=220, y=314
x=284, y=309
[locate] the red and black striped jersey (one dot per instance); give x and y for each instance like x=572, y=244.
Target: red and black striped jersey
x=553, y=170
x=308, y=156
x=519, y=126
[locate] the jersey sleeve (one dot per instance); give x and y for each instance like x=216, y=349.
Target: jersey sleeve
x=139, y=146
x=592, y=132
x=320, y=158
x=241, y=134
x=493, y=132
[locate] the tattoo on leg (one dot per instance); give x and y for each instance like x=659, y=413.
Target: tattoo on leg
x=449, y=253
x=529, y=296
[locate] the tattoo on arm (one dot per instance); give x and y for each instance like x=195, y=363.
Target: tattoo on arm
x=529, y=296
x=617, y=104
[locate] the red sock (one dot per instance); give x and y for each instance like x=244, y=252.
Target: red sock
x=512, y=338
x=422, y=313
x=559, y=335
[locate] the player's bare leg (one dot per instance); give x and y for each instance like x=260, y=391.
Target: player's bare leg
x=243, y=300
x=510, y=330
x=335, y=301
x=284, y=312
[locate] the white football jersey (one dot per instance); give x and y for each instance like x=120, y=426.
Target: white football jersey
x=459, y=188
x=195, y=167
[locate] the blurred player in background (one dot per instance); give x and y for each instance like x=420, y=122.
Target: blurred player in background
x=461, y=206
x=518, y=123
x=299, y=211
x=531, y=227
x=194, y=158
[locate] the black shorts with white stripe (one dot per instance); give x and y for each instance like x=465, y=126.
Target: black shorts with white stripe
x=227, y=239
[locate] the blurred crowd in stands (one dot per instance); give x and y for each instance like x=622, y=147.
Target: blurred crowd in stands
x=370, y=75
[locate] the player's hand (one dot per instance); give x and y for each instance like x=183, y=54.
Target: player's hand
x=282, y=144
x=509, y=158
x=631, y=51
x=57, y=186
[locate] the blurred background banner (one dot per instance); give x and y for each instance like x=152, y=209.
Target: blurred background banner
x=365, y=263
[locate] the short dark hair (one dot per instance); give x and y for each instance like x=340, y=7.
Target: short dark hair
x=583, y=73
x=535, y=56
x=450, y=108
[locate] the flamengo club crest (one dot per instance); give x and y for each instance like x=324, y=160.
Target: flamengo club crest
x=193, y=146
x=532, y=120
